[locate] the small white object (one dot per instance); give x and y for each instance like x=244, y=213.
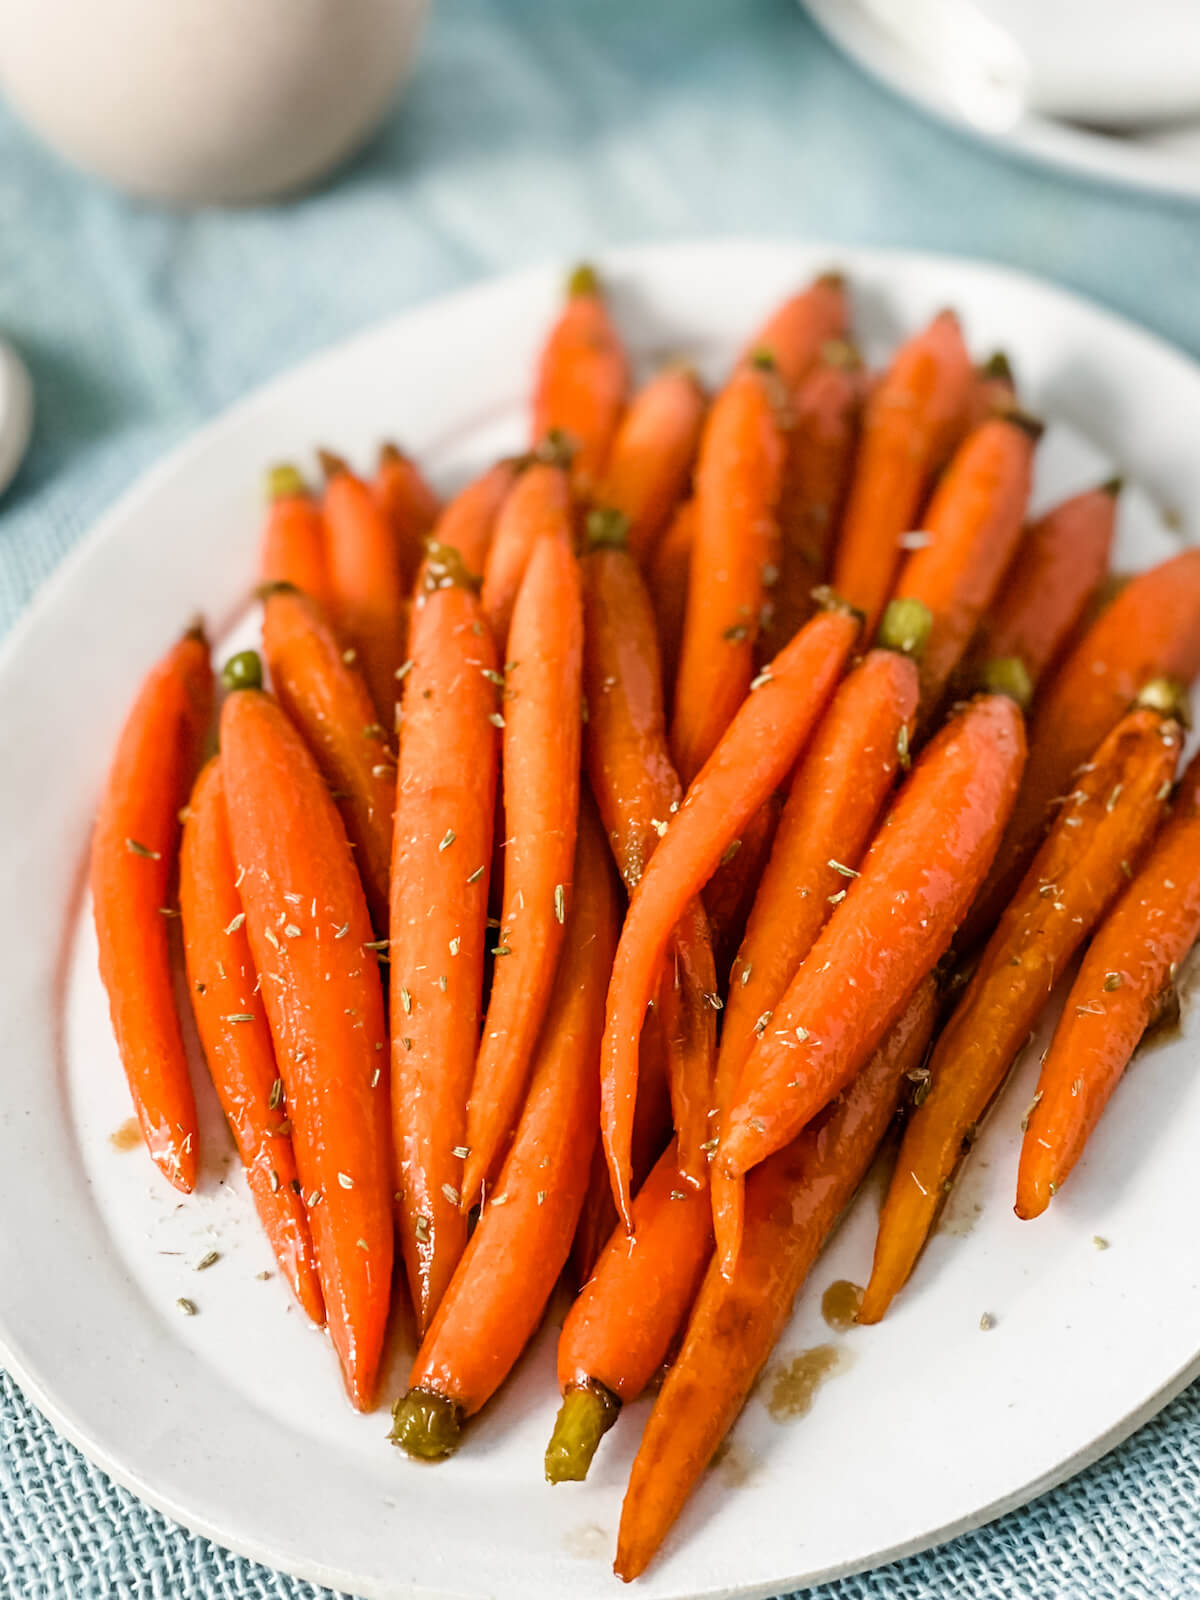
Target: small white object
x=16, y=413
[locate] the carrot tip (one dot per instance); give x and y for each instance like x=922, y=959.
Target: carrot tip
x=588, y=1411
x=841, y=353
x=828, y=599
x=1008, y=675
x=762, y=357
x=1168, y=696
x=833, y=279
x=997, y=365
x=905, y=627
x=445, y=569
x=582, y=279
x=195, y=630
x=391, y=455
x=243, y=671
x=1031, y=425
x=332, y=466
x=283, y=481
x=1113, y=485
x=426, y=1426
x=557, y=449
x=607, y=529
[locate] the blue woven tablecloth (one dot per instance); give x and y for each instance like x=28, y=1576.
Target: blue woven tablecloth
x=533, y=130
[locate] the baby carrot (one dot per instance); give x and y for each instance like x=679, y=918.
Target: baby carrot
x=761, y=745
x=445, y=803
x=895, y=923
x=542, y=713
x=793, y=1202
x=538, y=507
x=619, y=1331
x=311, y=940
x=911, y=416
x=796, y=331
x=993, y=392
x=329, y=703
x=737, y=489
x=652, y=455
x=408, y=503
x=293, y=537
x=582, y=380
x=972, y=526
x=469, y=521
x=133, y=854
x=1127, y=968
x=496, y=1298
x=668, y=583
x=369, y=594
x=1107, y=821
x=223, y=985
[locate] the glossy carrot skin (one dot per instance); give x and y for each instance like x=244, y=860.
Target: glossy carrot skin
x=794, y=1200
x=582, y=381
x=761, y=745
x=223, y=983
x=310, y=937
x=1075, y=875
x=330, y=704
x=738, y=479
x=293, y=537
x=899, y=915
x=133, y=852
x=800, y=326
x=668, y=583
x=973, y=523
x=469, y=521
x=650, y=466
x=408, y=503
x=542, y=709
x=834, y=803
x=445, y=806
x=1125, y=972
x=1151, y=630
x=911, y=417
x=537, y=507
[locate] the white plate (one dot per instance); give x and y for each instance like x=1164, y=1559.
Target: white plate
x=1165, y=160
x=232, y=1421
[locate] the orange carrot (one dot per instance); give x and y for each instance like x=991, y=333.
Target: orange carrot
x=311, y=940
x=538, y=507
x=668, y=583
x=469, y=521
x=993, y=392
x=895, y=923
x=133, y=855
x=223, y=984
x=408, y=503
x=541, y=738
x=796, y=331
x=652, y=455
x=582, y=380
x=1078, y=871
x=293, y=538
x=1127, y=968
x=730, y=891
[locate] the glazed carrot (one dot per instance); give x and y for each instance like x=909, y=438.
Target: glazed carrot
x=896, y=922
x=469, y=521
x=1060, y=562
x=223, y=985
x=831, y=811
x=538, y=507
x=582, y=380
x=668, y=583
x=794, y=1200
x=620, y=1329
x=1126, y=970
x=496, y=1298
x=993, y=392
x=1151, y=630
x=408, y=503
x=311, y=940
x=293, y=537
x=761, y=745
x=972, y=524
x=911, y=416
x=133, y=854
x=369, y=595
x=445, y=803
x=730, y=891
x=795, y=332
x=541, y=737
x=652, y=455
x=1108, y=820
x=329, y=703
x=737, y=489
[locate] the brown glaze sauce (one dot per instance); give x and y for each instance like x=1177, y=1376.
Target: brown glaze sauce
x=794, y=1384
x=128, y=1136
x=840, y=1303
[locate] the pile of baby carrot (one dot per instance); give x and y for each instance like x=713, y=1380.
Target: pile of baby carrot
x=622, y=846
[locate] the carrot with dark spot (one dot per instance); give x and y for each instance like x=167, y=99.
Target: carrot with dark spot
x=650, y=466
x=408, y=503
x=293, y=537
x=582, y=380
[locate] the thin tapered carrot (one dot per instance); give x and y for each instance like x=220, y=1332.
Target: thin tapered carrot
x=469, y=520
x=538, y=507
x=911, y=417
x=895, y=923
x=369, y=591
x=293, y=537
x=326, y=698
x=311, y=939
x=1127, y=968
x=542, y=712
x=993, y=391
x=797, y=329
x=133, y=857
x=409, y=504
x=445, y=804
x=738, y=478
x=650, y=465
x=620, y=1329
x=1151, y=630
x=836, y=795
x=761, y=745
x=223, y=986
x=794, y=1201
x=582, y=380
x=496, y=1298
x=668, y=583
x=973, y=525
x=1108, y=820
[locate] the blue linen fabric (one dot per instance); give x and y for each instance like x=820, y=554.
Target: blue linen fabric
x=533, y=130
